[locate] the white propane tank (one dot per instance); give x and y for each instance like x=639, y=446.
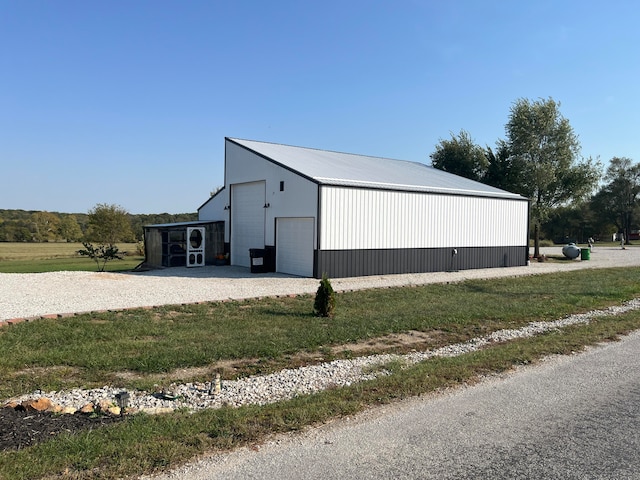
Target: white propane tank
x=571, y=251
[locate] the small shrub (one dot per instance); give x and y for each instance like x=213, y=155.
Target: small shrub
x=325, y=301
x=100, y=254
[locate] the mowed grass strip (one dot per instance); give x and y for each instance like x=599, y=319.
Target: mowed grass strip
x=267, y=334
x=58, y=256
x=37, y=251
x=148, y=444
x=44, y=250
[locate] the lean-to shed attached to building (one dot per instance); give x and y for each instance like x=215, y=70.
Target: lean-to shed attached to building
x=309, y=212
x=184, y=244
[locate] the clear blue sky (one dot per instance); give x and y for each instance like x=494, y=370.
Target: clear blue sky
x=128, y=102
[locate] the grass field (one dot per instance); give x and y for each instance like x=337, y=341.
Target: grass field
x=52, y=257
x=268, y=334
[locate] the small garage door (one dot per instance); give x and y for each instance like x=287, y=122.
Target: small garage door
x=294, y=246
x=247, y=221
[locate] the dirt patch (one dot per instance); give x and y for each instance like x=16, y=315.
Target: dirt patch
x=98, y=321
x=402, y=341
x=227, y=368
x=395, y=342
x=169, y=315
x=64, y=371
x=231, y=369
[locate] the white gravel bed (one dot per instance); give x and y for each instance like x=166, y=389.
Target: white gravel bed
x=288, y=383
x=37, y=294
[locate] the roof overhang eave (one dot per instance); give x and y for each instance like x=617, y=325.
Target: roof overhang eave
x=337, y=182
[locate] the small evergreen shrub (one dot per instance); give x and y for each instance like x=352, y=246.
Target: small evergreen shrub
x=325, y=301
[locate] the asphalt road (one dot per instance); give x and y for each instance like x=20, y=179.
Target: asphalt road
x=572, y=417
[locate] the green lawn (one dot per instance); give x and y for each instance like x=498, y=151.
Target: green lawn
x=53, y=257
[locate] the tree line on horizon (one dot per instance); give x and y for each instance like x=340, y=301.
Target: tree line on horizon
x=43, y=226
x=571, y=198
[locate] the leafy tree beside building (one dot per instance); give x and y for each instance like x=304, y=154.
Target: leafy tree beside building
x=546, y=149
x=539, y=160
x=460, y=156
x=504, y=171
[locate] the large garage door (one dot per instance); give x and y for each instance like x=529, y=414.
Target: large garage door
x=247, y=221
x=294, y=246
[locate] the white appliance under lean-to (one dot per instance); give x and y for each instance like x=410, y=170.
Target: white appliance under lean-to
x=195, y=246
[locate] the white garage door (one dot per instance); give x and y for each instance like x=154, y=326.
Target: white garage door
x=294, y=246
x=247, y=221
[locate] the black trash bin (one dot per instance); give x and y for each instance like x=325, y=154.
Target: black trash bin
x=257, y=260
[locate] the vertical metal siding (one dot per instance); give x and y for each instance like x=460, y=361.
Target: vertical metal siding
x=355, y=219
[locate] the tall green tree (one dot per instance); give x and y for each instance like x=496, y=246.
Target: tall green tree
x=45, y=226
x=460, y=156
x=69, y=229
x=109, y=224
x=504, y=170
x=617, y=200
x=545, y=147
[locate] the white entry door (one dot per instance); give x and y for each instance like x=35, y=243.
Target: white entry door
x=195, y=246
x=247, y=220
x=294, y=246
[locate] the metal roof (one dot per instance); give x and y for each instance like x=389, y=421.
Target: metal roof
x=194, y=223
x=351, y=170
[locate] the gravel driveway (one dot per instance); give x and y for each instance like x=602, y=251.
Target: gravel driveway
x=25, y=295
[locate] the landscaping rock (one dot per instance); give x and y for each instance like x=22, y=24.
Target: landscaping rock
x=88, y=408
x=113, y=410
x=41, y=404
